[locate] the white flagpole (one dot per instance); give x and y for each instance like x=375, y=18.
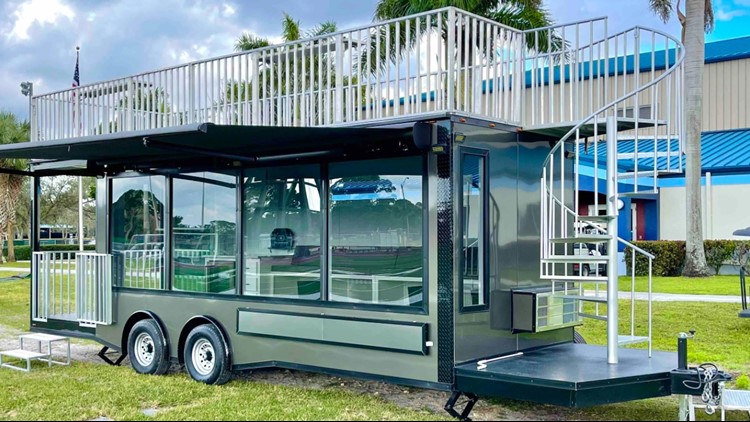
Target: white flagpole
x=80, y=179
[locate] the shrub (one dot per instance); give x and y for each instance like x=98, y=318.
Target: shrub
x=23, y=253
x=670, y=257
x=718, y=252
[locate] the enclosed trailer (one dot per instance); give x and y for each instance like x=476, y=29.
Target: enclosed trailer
x=356, y=204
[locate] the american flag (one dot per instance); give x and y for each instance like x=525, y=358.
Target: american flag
x=76, y=79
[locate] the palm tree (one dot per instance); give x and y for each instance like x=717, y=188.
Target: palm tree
x=519, y=14
x=11, y=131
x=697, y=20
x=273, y=75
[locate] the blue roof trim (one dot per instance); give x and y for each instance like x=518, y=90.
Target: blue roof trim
x=721, y=151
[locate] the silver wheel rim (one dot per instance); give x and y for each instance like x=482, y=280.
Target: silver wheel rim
x=204, y=357
x=144, y=349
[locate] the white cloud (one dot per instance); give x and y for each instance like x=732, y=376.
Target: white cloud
x=229, y=10
x=38, y=11
x=723, y=16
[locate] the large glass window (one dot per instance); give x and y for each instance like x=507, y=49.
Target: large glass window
x=473, y=202
x=137, y=236
x=282, y=231
x=204, y=232
x=376, y=231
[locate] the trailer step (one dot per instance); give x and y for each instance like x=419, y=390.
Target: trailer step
x=21, y=354
x=564, y=259
x=585, y=298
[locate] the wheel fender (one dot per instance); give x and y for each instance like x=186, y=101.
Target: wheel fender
x=139, y=316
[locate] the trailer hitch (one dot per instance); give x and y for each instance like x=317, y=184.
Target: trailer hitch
x=705, y=380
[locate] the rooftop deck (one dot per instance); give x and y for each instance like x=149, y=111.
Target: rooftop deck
x=444, y=61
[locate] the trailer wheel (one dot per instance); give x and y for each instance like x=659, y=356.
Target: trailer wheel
x=147, y=349
x=205, y=355
x=578, y=338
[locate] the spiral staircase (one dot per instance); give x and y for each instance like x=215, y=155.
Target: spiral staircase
x=650, y=73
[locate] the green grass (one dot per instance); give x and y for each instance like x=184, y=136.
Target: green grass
x=716, y=285
x=15, y=265
x=119, y=393
x=721, y=337
x=14, y=303
x=658, y=409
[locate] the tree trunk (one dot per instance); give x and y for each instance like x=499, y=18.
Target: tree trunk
x=14, y=189
x=695, y=257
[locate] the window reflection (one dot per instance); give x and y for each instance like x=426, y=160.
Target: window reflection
x=204, y=227
x=472, y=186
x=282, y=229
x=137, y=244
x=376, y=231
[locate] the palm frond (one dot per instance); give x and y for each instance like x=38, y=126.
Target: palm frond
x=248, y=41
x=662, y=8
x=290, y=28
x=709, y=17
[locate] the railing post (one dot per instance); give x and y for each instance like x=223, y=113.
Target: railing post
x=191, y=94
x=339, y=116
x=612, y=302
x=451, y=59
x=131, y=104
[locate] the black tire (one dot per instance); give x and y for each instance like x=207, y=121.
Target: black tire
x=147, y=348
x=578, y=338
x=205, y=355
x=585, y=271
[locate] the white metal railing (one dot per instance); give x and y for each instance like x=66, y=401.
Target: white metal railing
x=443, y=60
x=93, y=289
x=53, y=288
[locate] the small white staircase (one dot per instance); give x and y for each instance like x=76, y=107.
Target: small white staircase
x=578, y=253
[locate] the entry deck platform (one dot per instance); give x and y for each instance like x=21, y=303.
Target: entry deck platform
x=571, y=375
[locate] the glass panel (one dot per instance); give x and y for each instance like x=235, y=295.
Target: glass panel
x=137, y=215
x=472, y=186
x=282, y=229
x=376, y=231
x=204, y=233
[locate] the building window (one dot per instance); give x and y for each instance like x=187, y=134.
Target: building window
x=282, y=232
x=376, y=231
x=204, y=233
x=137, y=231
x=473, y=242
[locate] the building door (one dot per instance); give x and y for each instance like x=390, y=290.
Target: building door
x=634, y=221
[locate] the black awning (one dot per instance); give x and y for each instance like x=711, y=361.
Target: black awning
x=161, y=147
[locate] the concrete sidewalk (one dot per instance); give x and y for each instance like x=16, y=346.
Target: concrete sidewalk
x=669, y=297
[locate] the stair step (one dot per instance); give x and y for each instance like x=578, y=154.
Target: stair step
x=597, y=218
x=646, y=173
x=24, y=354
x=564, y=259
x=585, y=298
x=591, y=238
x=623, y=340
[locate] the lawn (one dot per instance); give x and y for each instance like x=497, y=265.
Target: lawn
x=716, y=285
x=92, y=391
x=721, y=337
x=14, y=303
x=22, y=264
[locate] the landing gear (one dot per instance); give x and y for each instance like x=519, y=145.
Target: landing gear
x=450, y=405
x=103, y=356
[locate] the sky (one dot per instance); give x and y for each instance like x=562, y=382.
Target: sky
x=124, y=37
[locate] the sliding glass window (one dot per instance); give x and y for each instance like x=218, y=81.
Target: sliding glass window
x=376, y=231
x=282, y=232
x=473, y=239
x=137, y=231
x=204, y=232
